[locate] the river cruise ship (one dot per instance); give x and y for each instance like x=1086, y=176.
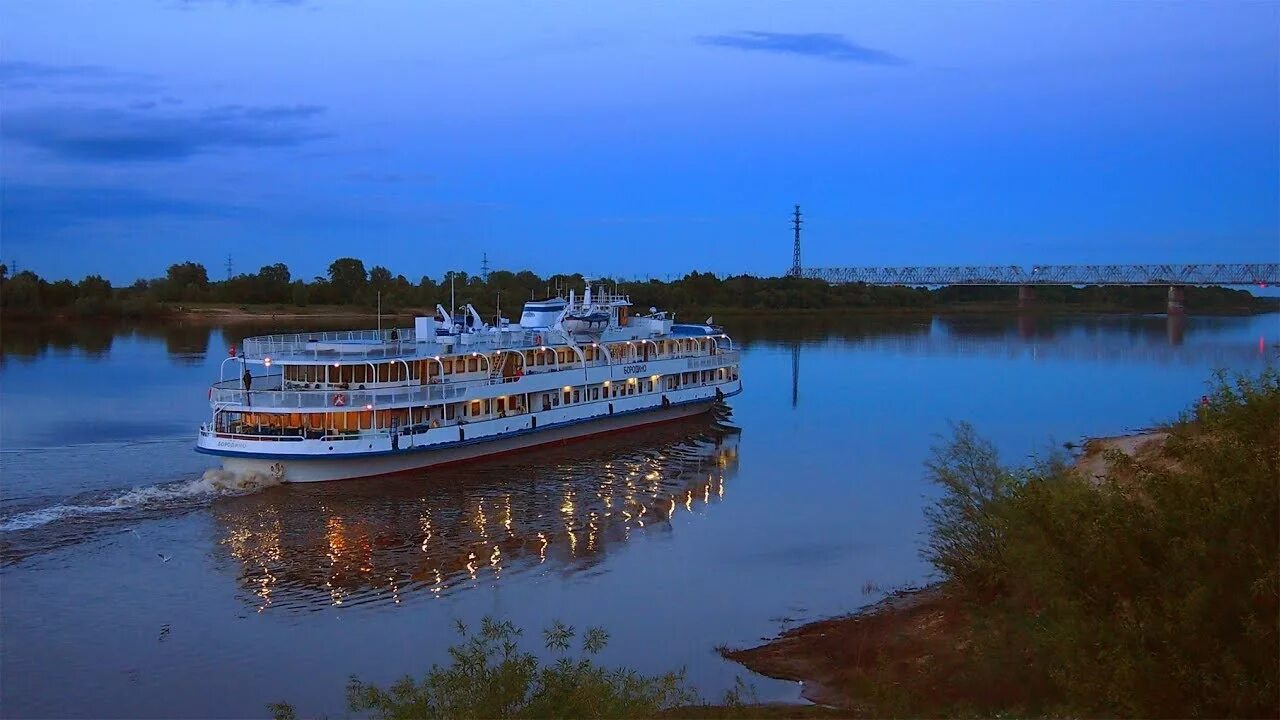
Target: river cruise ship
x=334, y=405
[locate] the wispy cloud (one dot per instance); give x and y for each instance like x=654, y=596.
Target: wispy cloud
x=24, y=75
x=145, y=133
x=827, y=46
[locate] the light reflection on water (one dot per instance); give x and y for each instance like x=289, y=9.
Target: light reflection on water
x=392, y=540
x=149, y=592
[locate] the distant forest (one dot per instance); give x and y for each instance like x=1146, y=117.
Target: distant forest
x=349, y=283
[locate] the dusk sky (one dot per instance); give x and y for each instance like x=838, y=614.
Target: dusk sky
x=635, y=139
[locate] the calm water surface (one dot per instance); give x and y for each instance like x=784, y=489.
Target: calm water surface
x=132, y=587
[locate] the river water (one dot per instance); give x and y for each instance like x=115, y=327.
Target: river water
x=131, y=586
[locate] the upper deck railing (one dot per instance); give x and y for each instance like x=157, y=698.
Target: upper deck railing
x=379, y=344
x=276, y=396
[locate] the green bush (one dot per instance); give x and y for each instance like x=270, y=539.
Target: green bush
x=1152, y=592
x=491, y=677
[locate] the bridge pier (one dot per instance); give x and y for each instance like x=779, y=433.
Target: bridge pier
x=1177, y=299
x=1026, y=296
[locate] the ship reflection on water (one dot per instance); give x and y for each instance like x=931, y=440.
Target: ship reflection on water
x=303, y=547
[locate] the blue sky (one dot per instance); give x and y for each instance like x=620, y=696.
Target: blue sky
x=635, y=139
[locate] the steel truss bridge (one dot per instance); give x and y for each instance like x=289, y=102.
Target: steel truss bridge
x=1260, y=274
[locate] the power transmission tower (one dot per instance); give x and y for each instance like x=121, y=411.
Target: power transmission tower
x=796, y=222
x=484, y=266
x=228, y=266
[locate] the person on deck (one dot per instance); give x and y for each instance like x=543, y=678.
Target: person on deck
x=247, y=379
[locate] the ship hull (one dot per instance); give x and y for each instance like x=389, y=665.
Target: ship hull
x=325, y=469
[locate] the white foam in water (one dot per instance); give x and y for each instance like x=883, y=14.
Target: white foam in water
x=214, y=482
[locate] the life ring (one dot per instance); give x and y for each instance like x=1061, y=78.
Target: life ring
x=339, y=400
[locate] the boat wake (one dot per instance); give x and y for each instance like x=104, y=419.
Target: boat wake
x=214, y=482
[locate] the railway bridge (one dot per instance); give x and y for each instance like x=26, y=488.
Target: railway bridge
x=1175, y=277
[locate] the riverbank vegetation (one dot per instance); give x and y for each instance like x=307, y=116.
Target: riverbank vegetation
x=490, y=676
x=349, y=287
x=1149, y=589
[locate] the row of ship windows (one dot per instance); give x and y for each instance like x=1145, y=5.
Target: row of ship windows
x=457, y=365
x=319, y=424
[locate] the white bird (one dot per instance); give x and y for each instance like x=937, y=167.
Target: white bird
x=163, y=557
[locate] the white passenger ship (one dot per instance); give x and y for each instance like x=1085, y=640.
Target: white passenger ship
x=336, y=405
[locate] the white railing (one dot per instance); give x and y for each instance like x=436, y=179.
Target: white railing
x=349, y=345
x=230, y=392
x=305, y=343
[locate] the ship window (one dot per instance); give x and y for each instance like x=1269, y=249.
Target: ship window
x=502, y=405
x=384, y=373
x=475, y=408
x=473, y=364
x=448, y=366
x=450, y=411
x=576, y=396
x=546, y=401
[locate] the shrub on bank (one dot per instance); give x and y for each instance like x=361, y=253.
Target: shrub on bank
x=491, y=677
x=1153, y=591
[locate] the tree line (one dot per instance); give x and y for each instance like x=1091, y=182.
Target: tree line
x=349, y=283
